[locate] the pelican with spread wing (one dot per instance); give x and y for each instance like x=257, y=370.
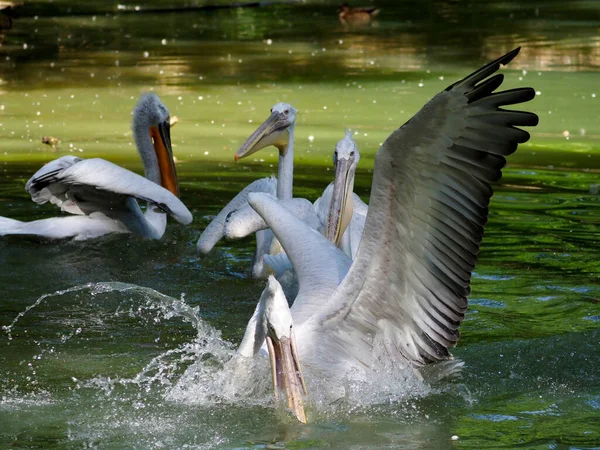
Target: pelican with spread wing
x=101, y=196
x=404, y=296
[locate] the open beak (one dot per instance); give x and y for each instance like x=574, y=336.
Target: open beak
x=161, y=137
x=340, y=209
x=287, y=374
x=273, y=131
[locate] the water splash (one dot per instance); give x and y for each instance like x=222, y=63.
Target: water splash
x=8, y=328
x=206, y=372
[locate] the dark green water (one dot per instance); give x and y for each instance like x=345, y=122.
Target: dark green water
x=86, y=362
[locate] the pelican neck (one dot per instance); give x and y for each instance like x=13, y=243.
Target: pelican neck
x=145, y=148
x=285, y=177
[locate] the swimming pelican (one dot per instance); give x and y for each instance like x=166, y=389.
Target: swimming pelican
x=404, y=296
x=339, y=214
x=102, y=196
x=277, y=130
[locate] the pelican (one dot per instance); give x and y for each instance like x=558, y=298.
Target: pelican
x=339, y=214
x=277, y=130
x=402, y=299
x=103, y=196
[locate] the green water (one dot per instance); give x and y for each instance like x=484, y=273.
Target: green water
x=87, y=363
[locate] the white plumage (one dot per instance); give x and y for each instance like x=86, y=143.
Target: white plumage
x=106, y=195
x=404, y=296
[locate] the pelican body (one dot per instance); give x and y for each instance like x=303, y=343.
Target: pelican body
x=401, y=300
x=103, y=197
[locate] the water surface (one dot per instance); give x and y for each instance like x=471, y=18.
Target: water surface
x=122, y=342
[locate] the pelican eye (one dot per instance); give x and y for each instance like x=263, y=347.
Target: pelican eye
x=287, y=111
x=352, y=153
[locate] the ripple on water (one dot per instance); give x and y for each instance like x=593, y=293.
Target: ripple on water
x=487, y=303
x=494, y=417
x=592, y=318
x=594, y=402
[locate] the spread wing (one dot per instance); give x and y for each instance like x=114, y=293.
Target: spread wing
x=83, y=186
x=216, y=228
x=406, y=292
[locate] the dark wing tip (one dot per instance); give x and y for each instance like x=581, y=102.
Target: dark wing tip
x=485, y=71
x=528, y=93
x=505, y=59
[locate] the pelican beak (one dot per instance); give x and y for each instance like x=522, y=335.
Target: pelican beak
x=161, y=137
x=287, y=374
x=273, y=131
x=340, y=209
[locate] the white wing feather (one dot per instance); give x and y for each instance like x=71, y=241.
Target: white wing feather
x=216, y=228
x=83, y=186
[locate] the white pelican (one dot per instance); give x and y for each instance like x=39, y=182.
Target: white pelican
x=102, y=196
x=277, y=130
x=404, y=296
x=339, y=214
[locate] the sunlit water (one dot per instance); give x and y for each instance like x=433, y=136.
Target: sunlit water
x=125, y=343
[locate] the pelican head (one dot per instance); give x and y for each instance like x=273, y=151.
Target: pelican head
x=150, y=116
x=345, y=159
x=281, y=344
x=274, y=131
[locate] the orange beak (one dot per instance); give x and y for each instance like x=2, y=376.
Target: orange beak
x=161, y=137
